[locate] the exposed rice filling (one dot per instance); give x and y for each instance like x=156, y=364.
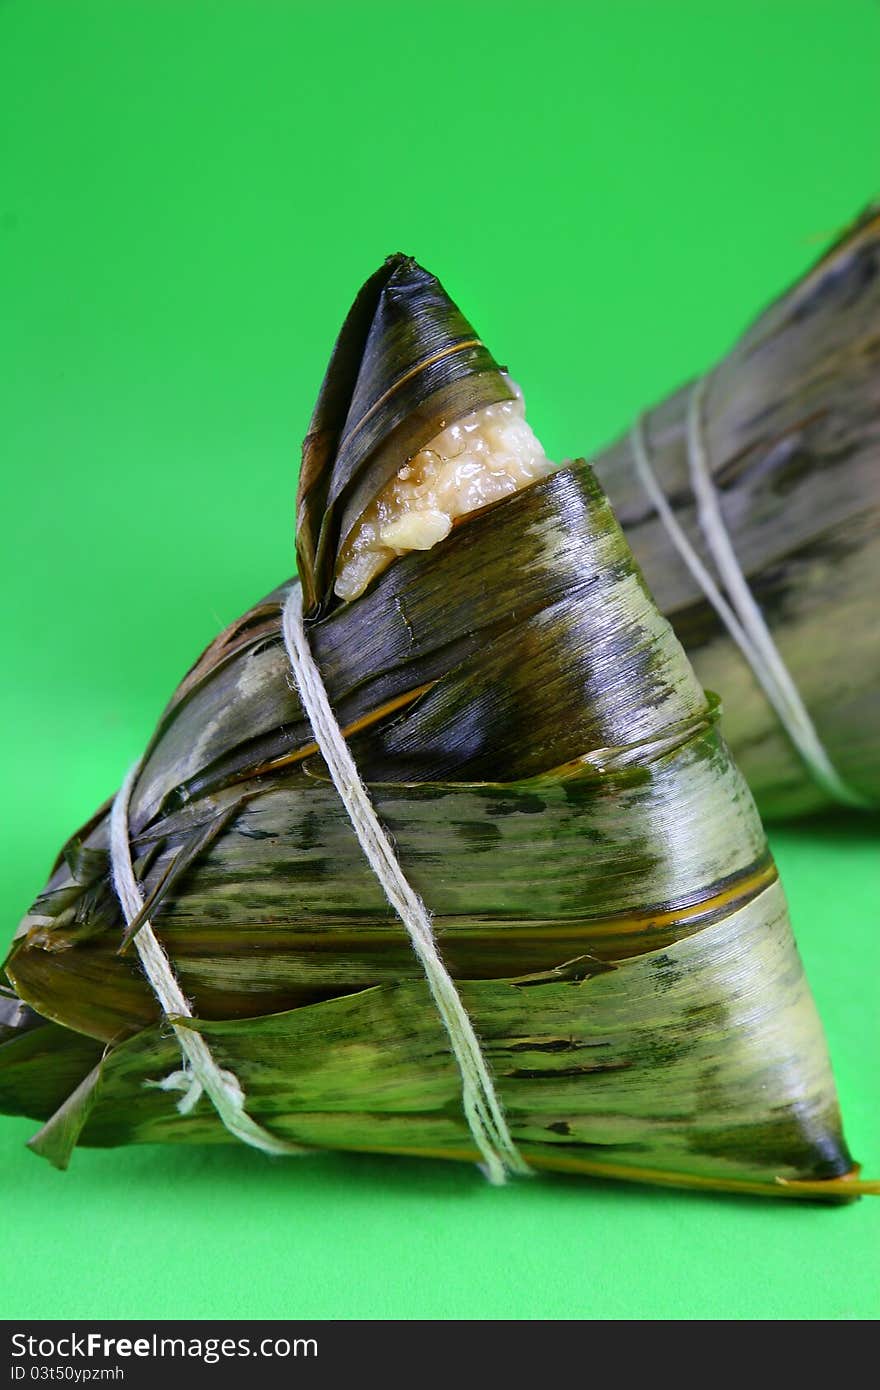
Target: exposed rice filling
x=481, y=458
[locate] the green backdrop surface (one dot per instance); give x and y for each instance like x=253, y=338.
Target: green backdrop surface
x=190, y=193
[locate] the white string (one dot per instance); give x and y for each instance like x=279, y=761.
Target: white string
x=742, y=616
x=200, y=1070
x=482, y=1106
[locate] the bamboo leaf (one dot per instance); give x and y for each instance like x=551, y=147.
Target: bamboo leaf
x=792, y=418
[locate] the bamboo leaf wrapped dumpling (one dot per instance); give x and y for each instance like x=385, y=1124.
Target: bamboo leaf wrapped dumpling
x=791, y=427
x=556, y=786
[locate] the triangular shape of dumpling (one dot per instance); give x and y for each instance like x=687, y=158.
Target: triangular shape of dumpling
x=559, y=793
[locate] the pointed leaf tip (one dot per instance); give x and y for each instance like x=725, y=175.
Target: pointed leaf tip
x=406, y=363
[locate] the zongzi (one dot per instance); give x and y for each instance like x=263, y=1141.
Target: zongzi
x=557, y=791
x=790, y=424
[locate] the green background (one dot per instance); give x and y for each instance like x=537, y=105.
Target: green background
x=190, y=194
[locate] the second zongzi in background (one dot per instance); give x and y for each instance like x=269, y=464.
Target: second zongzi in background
x=789, y=422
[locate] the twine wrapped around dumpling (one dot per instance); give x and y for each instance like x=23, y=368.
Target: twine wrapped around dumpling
x=789, y=425
x=555, y=788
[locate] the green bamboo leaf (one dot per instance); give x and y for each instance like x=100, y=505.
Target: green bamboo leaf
x=406, y=361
